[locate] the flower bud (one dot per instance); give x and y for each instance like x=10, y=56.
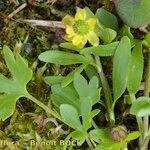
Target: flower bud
x=118, y=133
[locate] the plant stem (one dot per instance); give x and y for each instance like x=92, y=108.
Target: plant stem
x=47, y=109
x=139, y=121
x=94, y=124
x=106, y=90
x=146, y=93
x=89, y=143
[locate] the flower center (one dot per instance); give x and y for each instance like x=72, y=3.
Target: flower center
x=81, y=27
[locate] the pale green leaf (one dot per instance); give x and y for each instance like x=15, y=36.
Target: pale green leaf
x=147, y=39
x=78, y=135
x=94, y=91
x=91, y=71
x=120, y=67
x=86, y=108
x=63, y=58
x=107, y=19
x=136, y=66
x=101, y=50
x=69, y=78
x=100, y=134
x=107, y=35
x=132, y=136
x=80, y=85
x=18, y=67
x=15, y=87
x=66, y=95
x=70, y=46
x=141, y=107
x=70, y=116
x=51, y=80
x=7, y=105
x=94, y=113
x=134, y=13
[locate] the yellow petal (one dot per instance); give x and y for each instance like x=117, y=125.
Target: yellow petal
x=67, y=38
x=91, y=22
x=68, y=20
x=93, y=38
x=80, y=15
x=70, y=31
x=84, y=41
x=77, y=40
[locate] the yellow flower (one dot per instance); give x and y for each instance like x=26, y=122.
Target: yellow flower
x=80, y=29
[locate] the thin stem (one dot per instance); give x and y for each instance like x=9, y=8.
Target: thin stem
x=89, y=143
x=47, y=109
x=146, y=93
x=139, y=121
x=145, y=144
x=94, y=124
x=106, y=90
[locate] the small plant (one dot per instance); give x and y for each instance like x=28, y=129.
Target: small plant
x=86, y=93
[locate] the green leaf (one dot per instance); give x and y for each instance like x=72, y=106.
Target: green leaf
x=80, y=85
x=120, y=67
x=135, y=68
x=13, y=89
x=117, y=146
x=89, y=13
x=100, y=134
x=86, y=108
x=107, y=35
x=94, y=91
x=87, y=90
x=94, y=113
x=127, y=32
x=70, y=46
x=66, y=95
x=134, y=13
x=101, y=50
x=78, y=135
x=141, y=107
x=147, y=39
x=51, y=80
x=132, y=136
x=63, y=58
x=70, y=116
x=7, y=105
x=104, y=146
x=18, y=67
x=91, y=71
x=69, y=78
x=107, y=19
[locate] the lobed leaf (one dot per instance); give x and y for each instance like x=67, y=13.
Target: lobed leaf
x=7, y=105
x=13, y=89
x=70, y=116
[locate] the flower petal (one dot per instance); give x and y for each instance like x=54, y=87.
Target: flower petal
x=67, y=38
x=70, y=31
x=84, y=41
x=93, y=38
x=68, y=20
x=77, y=40
x=91, y=22
x=81, y=14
